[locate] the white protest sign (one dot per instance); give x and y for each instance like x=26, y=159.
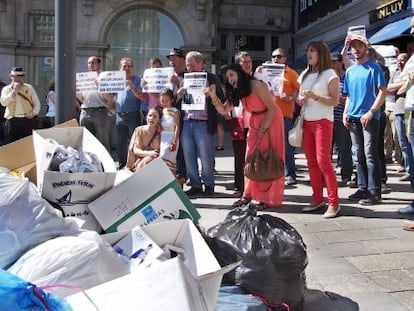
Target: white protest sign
x=86, y=81
x=354, y=31
x=273, y=75
x=157, y=79
x=194, y=83
x=390, y=57
x=111, y=81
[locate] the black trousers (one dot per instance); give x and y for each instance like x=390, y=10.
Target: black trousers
x=17, y=128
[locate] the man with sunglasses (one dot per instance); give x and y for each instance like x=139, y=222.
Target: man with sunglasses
x=286, y=103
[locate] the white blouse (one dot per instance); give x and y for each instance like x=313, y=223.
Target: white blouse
x=318, y=83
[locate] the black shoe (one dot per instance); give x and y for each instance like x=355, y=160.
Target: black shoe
x=372, y=200
x=194, y=191
x=358, y=195
x=208, y=191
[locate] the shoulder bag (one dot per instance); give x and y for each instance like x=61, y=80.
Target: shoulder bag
x=264, y=166
x=295, y=135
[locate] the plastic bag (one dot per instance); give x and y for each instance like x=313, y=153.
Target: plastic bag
x=26, y=219
x=17, y=295
x=273, y=255
x=68, y=159
x=234, y=298
x=81, y=162
x=77, y=262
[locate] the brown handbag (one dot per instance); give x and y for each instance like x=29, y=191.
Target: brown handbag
x=264, y=166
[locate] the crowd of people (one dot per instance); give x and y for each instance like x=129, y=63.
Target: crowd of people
x=351, y=105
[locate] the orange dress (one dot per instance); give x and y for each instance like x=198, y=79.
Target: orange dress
x=268, y=192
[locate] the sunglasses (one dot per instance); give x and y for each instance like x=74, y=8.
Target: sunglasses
x=277, y=56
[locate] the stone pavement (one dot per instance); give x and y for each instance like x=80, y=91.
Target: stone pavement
x=362, y=260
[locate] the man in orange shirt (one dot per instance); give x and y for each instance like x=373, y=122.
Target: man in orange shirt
x=286, y=103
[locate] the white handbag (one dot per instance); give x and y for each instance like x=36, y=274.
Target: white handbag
x=295, y=135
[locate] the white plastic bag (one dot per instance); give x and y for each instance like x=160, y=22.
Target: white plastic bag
x=77, y=262
x=26, y=219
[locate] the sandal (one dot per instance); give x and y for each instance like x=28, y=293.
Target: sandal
x=241, y=202
x=237, y=194
x=408, y=226
x=261, y=206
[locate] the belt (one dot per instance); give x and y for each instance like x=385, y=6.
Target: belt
x=256, y=113
x=95, y=108
x=196, y=120
x=124, y=113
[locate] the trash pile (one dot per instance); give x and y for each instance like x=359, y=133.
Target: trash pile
x=76, y=234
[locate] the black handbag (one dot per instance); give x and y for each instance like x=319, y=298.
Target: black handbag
x=264, y=166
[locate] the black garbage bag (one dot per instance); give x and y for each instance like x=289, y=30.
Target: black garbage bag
x=273, y=255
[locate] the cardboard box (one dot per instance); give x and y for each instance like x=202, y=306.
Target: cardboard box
x=150, y=195
x=72, y=191
x=19, y=155
x=168, y=285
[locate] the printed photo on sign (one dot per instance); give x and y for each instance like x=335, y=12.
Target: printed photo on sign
x=137, y=249
x=157, y=79
x=194, y=83
x=86, y=81
x=272, y=75
x=111, y=81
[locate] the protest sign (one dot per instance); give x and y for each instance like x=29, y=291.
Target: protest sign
x=194, y=83
x=86, y=81
x=272, y=75
x=111, y=81
x=157, y=79
x=355, y=31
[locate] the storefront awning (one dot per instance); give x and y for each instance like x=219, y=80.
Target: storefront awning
x=391, y=31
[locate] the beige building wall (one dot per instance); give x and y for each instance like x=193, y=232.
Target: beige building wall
x=27, y=31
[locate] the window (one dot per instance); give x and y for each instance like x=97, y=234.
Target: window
x=141, y=34
x=42, y=28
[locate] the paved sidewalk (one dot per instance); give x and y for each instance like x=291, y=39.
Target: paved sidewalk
x=362, y=260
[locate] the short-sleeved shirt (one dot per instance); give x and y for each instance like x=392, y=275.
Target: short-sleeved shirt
x=318, y=83
x=290, y=85
x=361, y=85
x=126, y=101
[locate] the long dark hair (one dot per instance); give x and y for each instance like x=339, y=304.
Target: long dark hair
x=243, y=88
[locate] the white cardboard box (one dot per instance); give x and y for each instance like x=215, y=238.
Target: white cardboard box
x=72, y=191
x=168, y=285
x=19, y=155
x=150, y=195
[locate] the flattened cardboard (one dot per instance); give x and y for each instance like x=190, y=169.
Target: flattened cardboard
x=150, y=195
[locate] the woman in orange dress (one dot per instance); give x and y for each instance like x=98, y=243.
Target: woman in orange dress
x=265, y=116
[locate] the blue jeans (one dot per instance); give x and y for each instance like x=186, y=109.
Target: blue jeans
x=290, y=168
x=405, y=145
x=198, y=142
x=343, y=140
x=365, y=144
x=125, y=125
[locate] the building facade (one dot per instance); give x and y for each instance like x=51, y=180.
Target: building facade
x=143, y=29
x=328, y=20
